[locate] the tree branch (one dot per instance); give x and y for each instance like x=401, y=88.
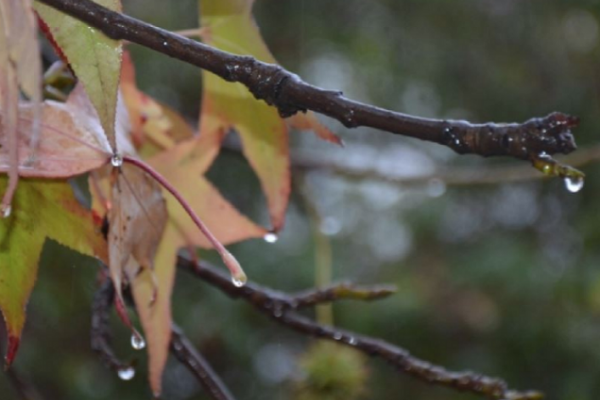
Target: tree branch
x=290, y=94
x=100, y=331
x=181, y=347
x=281, y=308
x=187, y=354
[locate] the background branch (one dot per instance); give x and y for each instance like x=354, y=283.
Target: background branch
x=187, y=354
x=457, y=176
x=287, y=92
x=281, y=308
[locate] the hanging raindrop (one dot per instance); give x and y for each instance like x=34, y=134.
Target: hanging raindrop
x=126, y=373
x=271, y=237
x=116, y=160
x=238, y=281
x=137, y=341
x=573, y=184
x=6, y=211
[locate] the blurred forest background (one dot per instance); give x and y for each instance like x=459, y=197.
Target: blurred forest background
x=500, y=278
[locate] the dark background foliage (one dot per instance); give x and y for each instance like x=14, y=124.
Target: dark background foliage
x=502, y=279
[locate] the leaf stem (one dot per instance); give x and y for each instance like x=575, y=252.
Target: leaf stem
x=237, y=273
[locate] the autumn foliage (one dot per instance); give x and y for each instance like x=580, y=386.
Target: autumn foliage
x=136, y=153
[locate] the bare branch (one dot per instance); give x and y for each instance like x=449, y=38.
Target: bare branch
x=281, y=308
x=181, y=347
x=290, y=94
x=187, y=354
x=100, y=331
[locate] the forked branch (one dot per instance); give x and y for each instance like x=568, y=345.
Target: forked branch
x=283, y=308
x=181, y=347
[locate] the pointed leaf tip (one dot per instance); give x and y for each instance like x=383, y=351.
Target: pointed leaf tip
x=11, y=350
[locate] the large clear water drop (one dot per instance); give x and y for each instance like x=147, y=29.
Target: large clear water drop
x=271, y=237
x=126, y=373
x=574, y=184
x=238, y=281
x=137, y=341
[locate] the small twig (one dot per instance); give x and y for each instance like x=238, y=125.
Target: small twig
x=187, y=354
x=343, y=291
x=100, y=331
x=290, y=94
x=22, y=386
x=181, y=347
x=281, y=308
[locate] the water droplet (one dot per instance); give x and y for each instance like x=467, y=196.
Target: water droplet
x=6, y=210
x=547, y=169
x=352, y=341
x=574, y=184
x=116, y=160
x=278, y=312
x=271, y=237
x=165, y=44
x=337, y=336
x=238, y=281
x=137, y=341
x=126, y=373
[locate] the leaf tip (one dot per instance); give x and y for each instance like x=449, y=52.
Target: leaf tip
x=238, y=276
x=11, y=351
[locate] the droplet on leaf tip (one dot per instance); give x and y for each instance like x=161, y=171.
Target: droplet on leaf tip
x=126, y=373
x=6, y=210
x=116, y=160
x=137, y=341
x=239, y=280
x=573, y=184
x=271, y=237
x=238, y=277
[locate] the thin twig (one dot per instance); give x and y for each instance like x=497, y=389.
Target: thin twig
x=22, y=385
x=181, y=347
x=282, y=309
x=100, y=331
x=342, y=291
x=187, y=354
x=290, y=94
x=451, y=176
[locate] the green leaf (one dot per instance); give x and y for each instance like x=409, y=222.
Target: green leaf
x=229, y=26
x=95, y=59
x=41, y=209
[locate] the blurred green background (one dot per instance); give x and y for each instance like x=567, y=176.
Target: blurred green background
x=503, y=279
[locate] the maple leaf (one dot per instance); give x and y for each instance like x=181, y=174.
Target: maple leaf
x=229, y=25
x=94, y=58
x=182, y=159
x=42, y=209
x=20, y=67
x=70, y=141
